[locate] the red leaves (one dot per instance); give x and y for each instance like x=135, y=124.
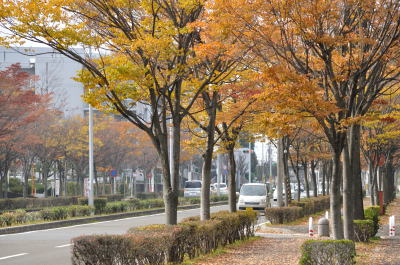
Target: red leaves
x=19, y=103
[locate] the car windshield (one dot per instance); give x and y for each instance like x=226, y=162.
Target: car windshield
x=253, y=190
x=192, y=184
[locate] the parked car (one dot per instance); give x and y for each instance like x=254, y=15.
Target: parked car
x=223, y=189
x=192, y=188
x=254, y=196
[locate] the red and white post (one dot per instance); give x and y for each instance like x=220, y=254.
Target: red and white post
x=392, y=226
x=310, y=227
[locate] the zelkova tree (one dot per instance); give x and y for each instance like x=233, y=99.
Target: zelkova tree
x=330, y=59
x=145, y=51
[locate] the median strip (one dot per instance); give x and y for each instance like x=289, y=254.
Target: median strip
x=86, y=220
x=13, y=256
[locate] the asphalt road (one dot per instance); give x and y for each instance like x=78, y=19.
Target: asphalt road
x=52, y=247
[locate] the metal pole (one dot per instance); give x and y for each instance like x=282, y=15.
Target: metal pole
x=171, y=151
x=90, y=199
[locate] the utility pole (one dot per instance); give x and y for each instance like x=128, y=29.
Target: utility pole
x=281, y=173
x=270, y=162
x=90, y=199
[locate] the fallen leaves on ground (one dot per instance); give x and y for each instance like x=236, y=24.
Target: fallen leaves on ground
x=267, y=251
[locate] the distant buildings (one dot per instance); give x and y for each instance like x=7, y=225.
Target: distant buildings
x=55, y=74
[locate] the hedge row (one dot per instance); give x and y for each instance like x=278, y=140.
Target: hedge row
x=47, y=214
x=365, y=229
x=296, y=210
x=101, y=206
x=160, y=244
x=36, y=203
x=332, y=252
x=40, y=203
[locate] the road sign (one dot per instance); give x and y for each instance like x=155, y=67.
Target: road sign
x=113, y=173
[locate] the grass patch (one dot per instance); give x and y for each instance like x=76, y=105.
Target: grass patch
x=219, y=251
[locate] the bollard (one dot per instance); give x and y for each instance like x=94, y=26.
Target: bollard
x=323, y=227
x=327, y=215
x=392, y=226
x=310, y=227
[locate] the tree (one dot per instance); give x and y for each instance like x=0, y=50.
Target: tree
x=329, y=59
x=20, y=106
x=147, y=51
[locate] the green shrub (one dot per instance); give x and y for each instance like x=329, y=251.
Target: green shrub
x=84, y=210
x=79, y=210
x=151, y=203
x=133, y=203
x=372, y=213
x=113, y=197
x=7, y=219
x=116, y=207
x=20, y=216
x=363, y=230
x=332, y=252
x=280, y=215
x=83, y=201
x=99, y=205
x=60, y=213
x=194, y=200
x=148, y=195
x=36, y=203
x=47, y=214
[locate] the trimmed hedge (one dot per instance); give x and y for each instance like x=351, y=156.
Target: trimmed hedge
x=35, y=203
x=282, y=215
x=47, y=214
x=372, y=213
x=159, y=244
x=332, y=252
x=363, y=230
x=297, y=209
x=101, y=207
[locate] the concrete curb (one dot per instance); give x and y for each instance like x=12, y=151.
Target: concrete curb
x=56, y=224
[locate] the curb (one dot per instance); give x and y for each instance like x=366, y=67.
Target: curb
x=85, y=220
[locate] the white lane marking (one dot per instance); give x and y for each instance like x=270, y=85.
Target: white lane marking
x=13, y=256
x=63, y=246
x=103, y=222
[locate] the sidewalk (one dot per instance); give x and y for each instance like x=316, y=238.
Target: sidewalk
x=277, y=245
x=385, y=251
x=280, y=245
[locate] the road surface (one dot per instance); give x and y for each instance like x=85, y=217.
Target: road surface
x=53, y=246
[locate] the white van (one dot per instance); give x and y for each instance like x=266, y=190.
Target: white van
x=192, y=188
x=255, y=196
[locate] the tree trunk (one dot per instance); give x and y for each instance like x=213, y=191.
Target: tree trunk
x=304, y=163
x=211, y=105
x=232, y=180
x=313, y=165
x=371, y=177
x=336, y=220
x=288, y=193
x=355, y=164
x=44, y=180
x=348, y=191
x=323, y=178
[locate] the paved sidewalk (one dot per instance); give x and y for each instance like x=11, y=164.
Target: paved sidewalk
x=277, y=245
x=385, y=251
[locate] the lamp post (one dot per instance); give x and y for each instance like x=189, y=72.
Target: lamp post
x=91, y=171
